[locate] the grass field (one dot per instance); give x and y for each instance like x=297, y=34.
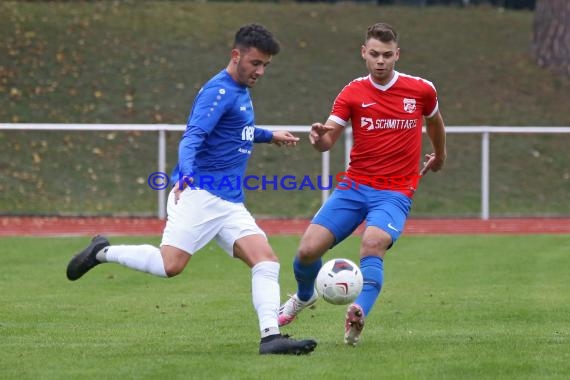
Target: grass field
x=120, y=62
x=452, y=307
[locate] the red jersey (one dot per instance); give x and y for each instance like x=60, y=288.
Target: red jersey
x=387, y=129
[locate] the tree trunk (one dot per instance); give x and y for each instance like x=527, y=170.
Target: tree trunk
x=551, y=43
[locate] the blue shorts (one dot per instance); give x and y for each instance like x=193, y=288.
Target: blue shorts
x=346, y=209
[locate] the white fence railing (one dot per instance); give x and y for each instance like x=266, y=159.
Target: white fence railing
x=484, y=131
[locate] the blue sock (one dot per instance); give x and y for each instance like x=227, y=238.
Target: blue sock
x=372, y=268
x=305, y=276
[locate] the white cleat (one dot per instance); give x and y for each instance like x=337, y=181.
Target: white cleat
x=353, y=324
x=293, y=306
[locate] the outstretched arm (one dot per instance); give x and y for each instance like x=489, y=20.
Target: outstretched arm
x=278, y=138
x=436, y=133
x=324, y=136
x=286, y=138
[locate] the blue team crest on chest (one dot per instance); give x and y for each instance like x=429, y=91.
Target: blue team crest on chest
x=409, y=105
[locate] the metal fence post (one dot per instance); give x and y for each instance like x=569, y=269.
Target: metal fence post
x=162, y=168
x=325, y=159
x=485, y=175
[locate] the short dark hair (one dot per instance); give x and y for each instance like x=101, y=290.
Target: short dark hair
x=257, y=36
x=382, y=32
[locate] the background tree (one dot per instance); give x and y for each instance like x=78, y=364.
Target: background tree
x=551, y=42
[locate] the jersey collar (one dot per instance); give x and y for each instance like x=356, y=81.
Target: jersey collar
x=387, y=86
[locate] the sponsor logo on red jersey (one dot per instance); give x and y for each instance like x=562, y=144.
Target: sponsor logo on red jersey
x=369, y=123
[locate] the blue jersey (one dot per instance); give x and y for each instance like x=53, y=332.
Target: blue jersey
x=219, y=138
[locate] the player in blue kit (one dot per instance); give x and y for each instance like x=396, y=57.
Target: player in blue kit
x=216, y=145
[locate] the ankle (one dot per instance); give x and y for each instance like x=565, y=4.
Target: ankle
x=269, y=338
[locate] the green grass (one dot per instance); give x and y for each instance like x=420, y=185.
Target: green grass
x=121, y=62
x=452, y=307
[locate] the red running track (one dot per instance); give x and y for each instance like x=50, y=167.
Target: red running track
x=87, y=226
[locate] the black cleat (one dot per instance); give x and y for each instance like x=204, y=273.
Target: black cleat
x=85, y=260
x=282, y=344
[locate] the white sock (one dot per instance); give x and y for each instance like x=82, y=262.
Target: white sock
x=145, y=258
x=266, y=296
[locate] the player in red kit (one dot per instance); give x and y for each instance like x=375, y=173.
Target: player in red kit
x=386, y=110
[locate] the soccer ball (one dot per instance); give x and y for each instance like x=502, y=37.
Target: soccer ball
x=339, y=281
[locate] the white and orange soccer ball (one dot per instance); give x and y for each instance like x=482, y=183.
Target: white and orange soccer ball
x=339, y=281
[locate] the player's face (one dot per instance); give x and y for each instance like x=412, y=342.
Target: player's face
x=380, y=58
x=249, y=65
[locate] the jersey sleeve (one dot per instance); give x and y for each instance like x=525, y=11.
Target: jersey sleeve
x=340, y=112
x=261, y=135
x=430, y=99
x=209, y=107
x=189, y=144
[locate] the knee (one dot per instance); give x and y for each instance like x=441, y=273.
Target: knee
x=174, y=264
x=308, y=252
x=375, y=245
x=174, y=261
x=172, y=269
